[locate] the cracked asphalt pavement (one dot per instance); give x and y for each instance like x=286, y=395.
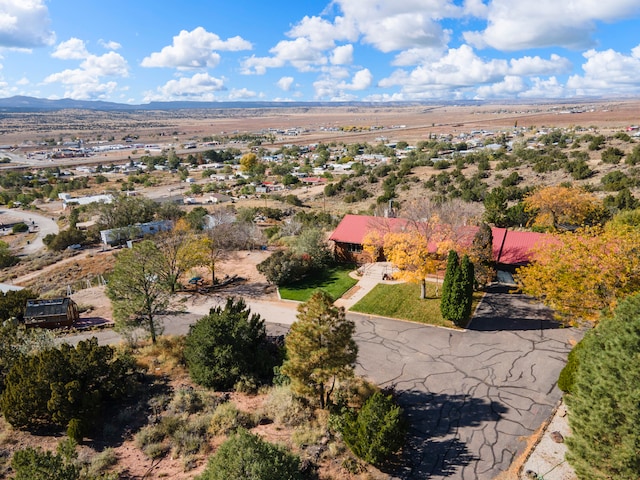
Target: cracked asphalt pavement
x=472, y=397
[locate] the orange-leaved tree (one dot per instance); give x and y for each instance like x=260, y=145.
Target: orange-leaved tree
x=556, y=206
x=584, y=273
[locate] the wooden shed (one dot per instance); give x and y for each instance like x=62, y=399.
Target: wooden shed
x=51, y=313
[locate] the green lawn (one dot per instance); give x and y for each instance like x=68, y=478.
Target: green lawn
x=402, y=300
x=335, y=281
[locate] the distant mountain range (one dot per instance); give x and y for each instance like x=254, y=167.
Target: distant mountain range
x=32, y=104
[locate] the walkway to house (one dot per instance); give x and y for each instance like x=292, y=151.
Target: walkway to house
x=372, y=274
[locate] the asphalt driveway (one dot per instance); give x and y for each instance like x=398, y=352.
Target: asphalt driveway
x=472, y=397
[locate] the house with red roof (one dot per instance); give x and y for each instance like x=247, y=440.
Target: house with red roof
x=511, y=248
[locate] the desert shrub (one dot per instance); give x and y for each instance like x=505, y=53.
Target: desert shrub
x=75, y=430
x=102, y=461
x=20, y=228
x=633, y=158
x=64, y=239
x=227, y=418
x=308, y=434
x=595, y=142
x=377, y=431
x=284, y=408
x=54, y=386
x=246, y=385
x=616, y=180
x=7, y=259
x=149, y=435
x=227, y=345
x=186, y=400
x=612, y=155
x=284, y=267
x=36, y=464
x=156, y=450
x=247, y=457
x=187, y=442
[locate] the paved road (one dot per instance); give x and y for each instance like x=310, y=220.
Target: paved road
x=472, y=397
x=45, y=226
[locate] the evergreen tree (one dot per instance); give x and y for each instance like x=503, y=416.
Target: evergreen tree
x=377, y=431
x=245, y=456
x=604, y=405
x=481, y=255
x=320, y=348
x=36, y=464
x=466, y=287
x=54, y=386
x=446, y=302
x=227, y=345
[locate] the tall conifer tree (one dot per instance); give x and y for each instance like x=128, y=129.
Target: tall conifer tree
x=447, y=301
x=320, y=348
x=604, y=404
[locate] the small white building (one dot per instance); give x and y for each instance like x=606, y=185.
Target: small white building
x=67, y=199
x=118, y=236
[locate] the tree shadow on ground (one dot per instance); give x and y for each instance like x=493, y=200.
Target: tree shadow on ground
x=127, y=417
x=433, y=447
x=502, y=309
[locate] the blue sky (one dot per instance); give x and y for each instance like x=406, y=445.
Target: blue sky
x=138, y=51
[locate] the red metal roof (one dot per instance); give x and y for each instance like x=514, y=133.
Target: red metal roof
x=510, y=247
x=353, y=228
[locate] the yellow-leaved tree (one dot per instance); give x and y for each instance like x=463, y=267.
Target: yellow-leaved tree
x=581, y=274
x=178, y=253
x=373, y=244
x=556, y=206
x=419, y=250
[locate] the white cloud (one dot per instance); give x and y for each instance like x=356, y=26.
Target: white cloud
x=85, y=87
x=608, y=73
x=23, y=81
x=322, y=33
x=25, y=24
x=544, y=88
x=109, y=45
x=476, y=8
x=360, y=81
x=400, y=24
x=109, y=64
x=397, y=25
x=201, y=86
x=539, y=66
x=518, y=25
x=285, y=83
x=330, y=87
x=417, y=56
x=342, y=55
x=241, y=94
x=509, y=87
x=72, y=49
x=195, y=49
x=460, y=67
x=299, y=52
x=86, y=82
